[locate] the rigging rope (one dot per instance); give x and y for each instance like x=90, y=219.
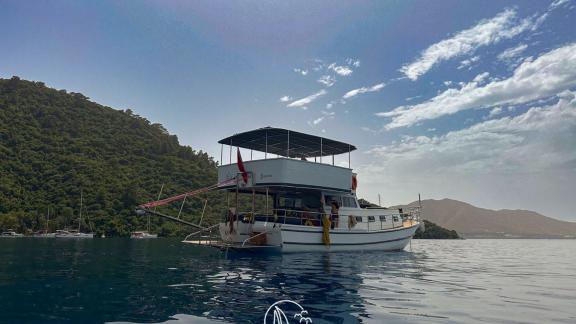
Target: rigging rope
x=165, y=201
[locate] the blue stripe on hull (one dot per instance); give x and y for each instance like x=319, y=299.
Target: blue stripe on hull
x=365, y=243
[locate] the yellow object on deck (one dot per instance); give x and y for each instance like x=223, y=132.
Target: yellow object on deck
x=326, y=230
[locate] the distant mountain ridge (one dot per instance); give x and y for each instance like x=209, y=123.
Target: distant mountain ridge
x=471, y=221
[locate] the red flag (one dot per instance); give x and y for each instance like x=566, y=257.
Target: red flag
x=354, y=182
x=241, y=167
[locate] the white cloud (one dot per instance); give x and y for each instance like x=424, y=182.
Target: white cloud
x=329, y=105
x=495, y=112
x=512, y=52
x=468, y=62
x=353, y=62
x=306, y=100
x=539, y=139
x=285, y=99
x=527, y=162
x=505, y=25
x=325, y=115
x=558, y=3
x=545, y=76
x=318, y=120
x=412, y=98
x=355, y=92
x=301, y=71
x=340, y=69
x=327, y=80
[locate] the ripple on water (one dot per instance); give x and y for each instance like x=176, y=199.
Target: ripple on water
x=464, y=281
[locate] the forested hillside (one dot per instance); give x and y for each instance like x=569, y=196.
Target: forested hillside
x=55, y=145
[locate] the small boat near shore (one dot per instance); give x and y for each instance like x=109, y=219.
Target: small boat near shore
x=75, y=233
x=143, y=235
x=44, y=235
x=72, y=234
x=11, y=234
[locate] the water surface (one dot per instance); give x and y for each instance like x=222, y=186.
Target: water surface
x=144, y=281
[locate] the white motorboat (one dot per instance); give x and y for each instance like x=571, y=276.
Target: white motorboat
x=11, y=233
x=143, y=235
x=311, y=205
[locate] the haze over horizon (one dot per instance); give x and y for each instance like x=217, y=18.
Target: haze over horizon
x=473, y=102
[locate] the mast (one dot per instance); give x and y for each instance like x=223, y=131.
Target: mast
x=47, y=220
x=80, y=218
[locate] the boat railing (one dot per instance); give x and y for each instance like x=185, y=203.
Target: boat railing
x=253, y=237
x=373, y=221
x=205, y=235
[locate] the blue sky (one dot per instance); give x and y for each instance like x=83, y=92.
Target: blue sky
x=468, y=100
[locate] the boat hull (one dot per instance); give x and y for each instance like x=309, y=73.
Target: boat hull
x=143, y=236
x=75, y=235
x=302, y=239
x=295, y=238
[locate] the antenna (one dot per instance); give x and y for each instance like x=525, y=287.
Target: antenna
x=419, y=202
x=379, y=204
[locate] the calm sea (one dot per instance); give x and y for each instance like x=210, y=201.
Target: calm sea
x=121, y=280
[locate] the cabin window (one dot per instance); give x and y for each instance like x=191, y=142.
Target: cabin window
x=371, y=219
x=382, y=218
x=329, y=199
x=349, y=202
x=359, y=219
x=395, y=218
x=289, y=203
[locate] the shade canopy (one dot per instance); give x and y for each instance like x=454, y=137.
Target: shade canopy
x=287, y=143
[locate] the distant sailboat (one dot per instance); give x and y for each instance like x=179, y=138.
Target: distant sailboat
x=146, y=234
x=75, y=233
x=46, y=233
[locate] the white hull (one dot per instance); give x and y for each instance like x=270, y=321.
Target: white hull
x=11, y=234
x=74, y=235
x=143, y=235
x=45, y=235
x=296, y=238
x=302, y=239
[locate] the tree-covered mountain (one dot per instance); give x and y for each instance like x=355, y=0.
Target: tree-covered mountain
x=55, y=145
x=433, y=231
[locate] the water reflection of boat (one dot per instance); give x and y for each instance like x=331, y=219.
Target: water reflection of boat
x=333, y=288
x=310, y=205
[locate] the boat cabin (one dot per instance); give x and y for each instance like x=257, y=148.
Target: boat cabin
x=299, y=178
x=291, y=159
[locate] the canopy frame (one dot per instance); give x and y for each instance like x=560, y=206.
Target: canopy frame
x=287, y=143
